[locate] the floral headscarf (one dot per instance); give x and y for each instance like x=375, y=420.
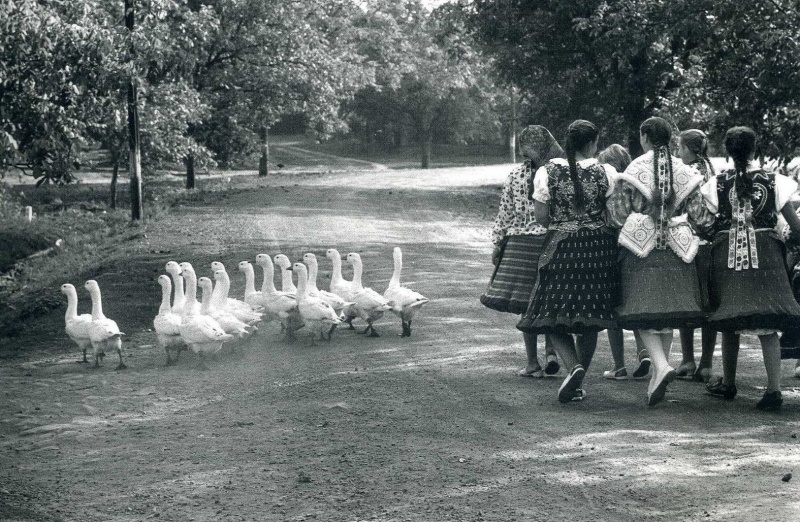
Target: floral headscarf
x=543, y=143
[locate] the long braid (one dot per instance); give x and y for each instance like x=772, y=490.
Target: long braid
x=740, y=143
x=696, y=141
x=579, y=134
x=659, y=132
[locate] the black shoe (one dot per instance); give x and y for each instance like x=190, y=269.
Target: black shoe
x=771, y=401
x=643, y=368
x=571, y=385
x=721, y=390
x=552, y=366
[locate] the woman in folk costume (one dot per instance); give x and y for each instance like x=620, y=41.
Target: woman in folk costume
x=657, y=202
x=518, y=240
x=618, y=157
x=749, y=285
x=577, y=277
x=693, y=150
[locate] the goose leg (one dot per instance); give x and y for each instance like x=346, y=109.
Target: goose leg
x=202, y=364
x=372, y=332
x=170, y=362
x=406, y=329
x=349, y=322
x=96, y=358
x=85, y=360
x=121, y=365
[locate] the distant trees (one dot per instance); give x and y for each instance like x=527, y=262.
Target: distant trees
x=707, y=63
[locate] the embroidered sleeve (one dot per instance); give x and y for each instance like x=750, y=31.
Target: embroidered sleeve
x=700, y=216
x=541, y=190
x=710, y=196
x=784, y=188
x=612, y=176
x=505, y=215
x=619, y=203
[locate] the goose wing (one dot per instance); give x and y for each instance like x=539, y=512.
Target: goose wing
x=167, y=324
x=103, y=329
x=78, y=328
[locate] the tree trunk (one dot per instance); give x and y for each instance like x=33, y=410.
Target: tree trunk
x=427, y=145
x=263, y=162
x=134, y=164
x=189, y=172
x=512, y=128
x=114, y=176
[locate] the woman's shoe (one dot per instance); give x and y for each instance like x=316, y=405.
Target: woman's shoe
x=658, y=385
x=771, y=401
x=719, y=389
x=531, y=371
x=569, y=388
x=702, y=374
x=686, y=370
x=643, y=368
x=552, y=366
x=617, y=375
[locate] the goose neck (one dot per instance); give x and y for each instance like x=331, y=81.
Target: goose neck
x=336, y=274
x=72, y=305
x=205, y=303
x=302, y=282
x=97, y=304
x=268, y=285
x=180, y=297
x=312, y=274
x=165, y=307
x=357, y=269
x=398, y=268
x=249, y=280
x=219, y=294
x=191, y=292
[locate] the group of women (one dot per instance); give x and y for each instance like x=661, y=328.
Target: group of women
x=585, y=244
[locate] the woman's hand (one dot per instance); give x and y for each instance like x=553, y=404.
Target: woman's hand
x=496, y=255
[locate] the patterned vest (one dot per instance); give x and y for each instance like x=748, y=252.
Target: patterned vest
x=742, y=218
x=562, y=196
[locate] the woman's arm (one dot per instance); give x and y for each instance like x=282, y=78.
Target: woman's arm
x=541, y=212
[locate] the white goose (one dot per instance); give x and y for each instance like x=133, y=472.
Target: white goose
x=336, y=302
x=340, y=286
x=167, y=323
x=369, y=304
x=179, y=301
x=318, y=316
x=287, y=285
x=251, y=296
x=280, y=305
x=103, y=332
x=77, y=326
x=199, y=331
x=405, y=302
x=220, y=298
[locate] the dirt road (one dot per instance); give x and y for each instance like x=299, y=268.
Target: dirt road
x=433, y=427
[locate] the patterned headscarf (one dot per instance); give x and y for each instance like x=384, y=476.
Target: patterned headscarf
x=544, y=146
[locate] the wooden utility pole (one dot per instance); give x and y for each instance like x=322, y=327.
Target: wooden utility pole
x=263, y=162
x=512, y=126
x=135, y=157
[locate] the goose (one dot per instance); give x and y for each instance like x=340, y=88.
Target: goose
x=287, y=285
x=103, y=332
x=340, y=286
x=167, y=323
x=405, y=302
x=369, y=304
x=318, y=316
x=280, y=305
x=220, y=300
x=76, y=326
x=201, y=332
x=179, y=301
x=251, y=296
x=226, y=320
x=344, y=309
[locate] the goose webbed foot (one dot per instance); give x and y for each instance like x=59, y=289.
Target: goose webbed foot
x=372, y=332
x=349, y=322
x=366, y=330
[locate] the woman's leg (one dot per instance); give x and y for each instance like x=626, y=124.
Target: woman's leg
x=687, y=345
x=533, y=368
x=616, y=340
x=658, y=346
x=643, y=357
x=565, y=347
x=730, y=357
x=709, y=341
x=551, y=359
x=771, y=348
x=587, y=344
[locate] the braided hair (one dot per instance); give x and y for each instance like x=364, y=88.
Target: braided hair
x=740, y=142
x=659, y=133
x=580, y=133
x=696, y=141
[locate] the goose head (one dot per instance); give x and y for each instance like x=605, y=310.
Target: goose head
x=164, y=281
x=220, y=275
x=309, y=259
x=205, y=284
x=186, y=267
x=332, y=253
x=353, y=258
x=68, y=289
x=263, y=260
x=173, y=268
x=243, y=265
x=283, y=261
x=300, y=268
x=216, y=265
x=91, y=286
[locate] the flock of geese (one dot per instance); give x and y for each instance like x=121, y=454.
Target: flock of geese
x=205, y=325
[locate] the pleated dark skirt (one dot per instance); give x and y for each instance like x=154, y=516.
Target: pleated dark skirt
x=514, y=276
x=577, y=284
x=659, y=291
x=756, y=298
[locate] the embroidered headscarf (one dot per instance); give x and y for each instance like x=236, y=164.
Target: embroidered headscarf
x=538, y=145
